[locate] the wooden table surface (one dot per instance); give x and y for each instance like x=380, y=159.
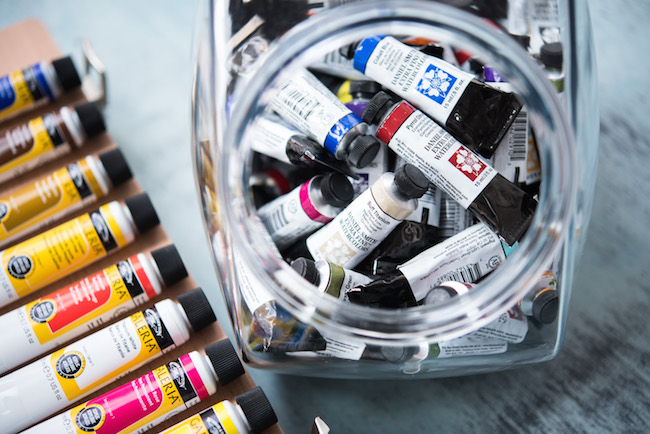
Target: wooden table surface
x=600, y=382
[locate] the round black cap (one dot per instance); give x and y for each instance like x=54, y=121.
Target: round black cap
x=143, y=213
x=169, y=264
x=545, y=306
x=397, y=354
x=91, y=118
x=377, y=108
x=347, y=51
x=410, y=181
x=551, y=55
x=115, y=166
x=66, y=73
x=225, y=361
x=307, y=269
x=434, y=50
x=364, y=88
x=437, y=295
x=523, y=40
x=197, y=308
x=336, y=189
x=363, y=149
x=257, y=409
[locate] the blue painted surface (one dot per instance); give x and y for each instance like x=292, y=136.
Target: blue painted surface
x=600, y=382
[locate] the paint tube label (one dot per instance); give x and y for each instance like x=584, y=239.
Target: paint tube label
x=49, y=256
x=110, y=353
x=335, y=64
x=270, y=137
x=468, y=346
x=369, y=174
x=26, y=146
x=253, y=292
x=134, y=407
x=214, y=420
x=453, y=217
x=21, y=89
x=510, y=326
x=341, y=280
x=336, y=347
x=428, y=210
x=431, y=84
x=453, y=168
x=465, y=257
x=291, y=216
x=533, y=165
x=358, y=229
x=510, y=157
x=311, y=107
x=37, y=204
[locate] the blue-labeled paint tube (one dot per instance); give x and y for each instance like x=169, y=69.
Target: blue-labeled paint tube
x=35, y=85
x=311, y=107
x=474, y=113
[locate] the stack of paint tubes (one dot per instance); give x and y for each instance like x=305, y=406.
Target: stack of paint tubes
x=397, y=172
x=45, y=239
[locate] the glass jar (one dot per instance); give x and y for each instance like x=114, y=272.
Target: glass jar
x=245, y=50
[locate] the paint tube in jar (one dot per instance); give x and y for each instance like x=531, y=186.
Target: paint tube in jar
x=306, y=208
x=356, y=94
x=33, y=206
x=251, y=415
x=335, y=64
x=453, y=217
x=542, y=302
x=474, y=113
x=58, y=252
x=60, y=317
x=311, y=107
x=465, y=257
x=47, y=137
x=273, y=137
x=369, y=174
x=74, y=371
x=362, y=225
x=35, y=85
x=329, y=278
x=551, y=57
x=151, y=399
x=453, y=168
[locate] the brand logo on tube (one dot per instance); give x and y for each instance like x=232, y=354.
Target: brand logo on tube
x=76, y=175
x=20, y=266
x=43, y=311
x=178, y=374
x=4, y=209
x=100, y=226
x=125, y=271
x=467, y=163
x=435, y=84
x=214, y=426
x=153, y=320
x=89, y=419
x=70, y=365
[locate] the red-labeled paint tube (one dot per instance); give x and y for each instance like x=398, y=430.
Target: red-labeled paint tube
x=452, y=167
x=63, y=315
x=74, y=371
x=149, y=400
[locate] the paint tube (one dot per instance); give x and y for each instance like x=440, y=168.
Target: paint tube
x=275, y=138
x=47, y=137
x=151, y=399
x=544, y=18
x=453, y=217
x=57, y=318
x=252, y=414
x=35, y=85
x=355, y=94
x=58, y=252
x=452, y=167
x=306, y=208
x=74, y=371
x=467, y=346
x=551, y=57
x=510, y=158
x=474, y=113
x=29, y=208
x=465, y=257
x=542, y=302
x=311, y=107
x=268, y=185
x=329, y=278
x=511, y=326
x=369, y=174
x=362, y=225
x=337, y=65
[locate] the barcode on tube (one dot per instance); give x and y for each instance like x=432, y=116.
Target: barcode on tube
x=468, y=274
x=300, y=103
x=519, y=137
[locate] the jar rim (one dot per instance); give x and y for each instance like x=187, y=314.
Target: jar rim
x=500, y=289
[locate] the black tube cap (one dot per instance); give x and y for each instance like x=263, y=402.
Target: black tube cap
x=66, y=73
x=91, y=118
x=546, y=306
x=336, y=189
x=551, y=55
x=225, y=361
x=169, y=264
x=361, y=88
x=307, y=269
x=410, y=181
x=143, y=213
x=115, y=166
x=363, y=149
x=257, y=409
x=377, y=108
x=197, y=308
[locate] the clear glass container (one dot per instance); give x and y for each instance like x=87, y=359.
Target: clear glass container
x=246, y=48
